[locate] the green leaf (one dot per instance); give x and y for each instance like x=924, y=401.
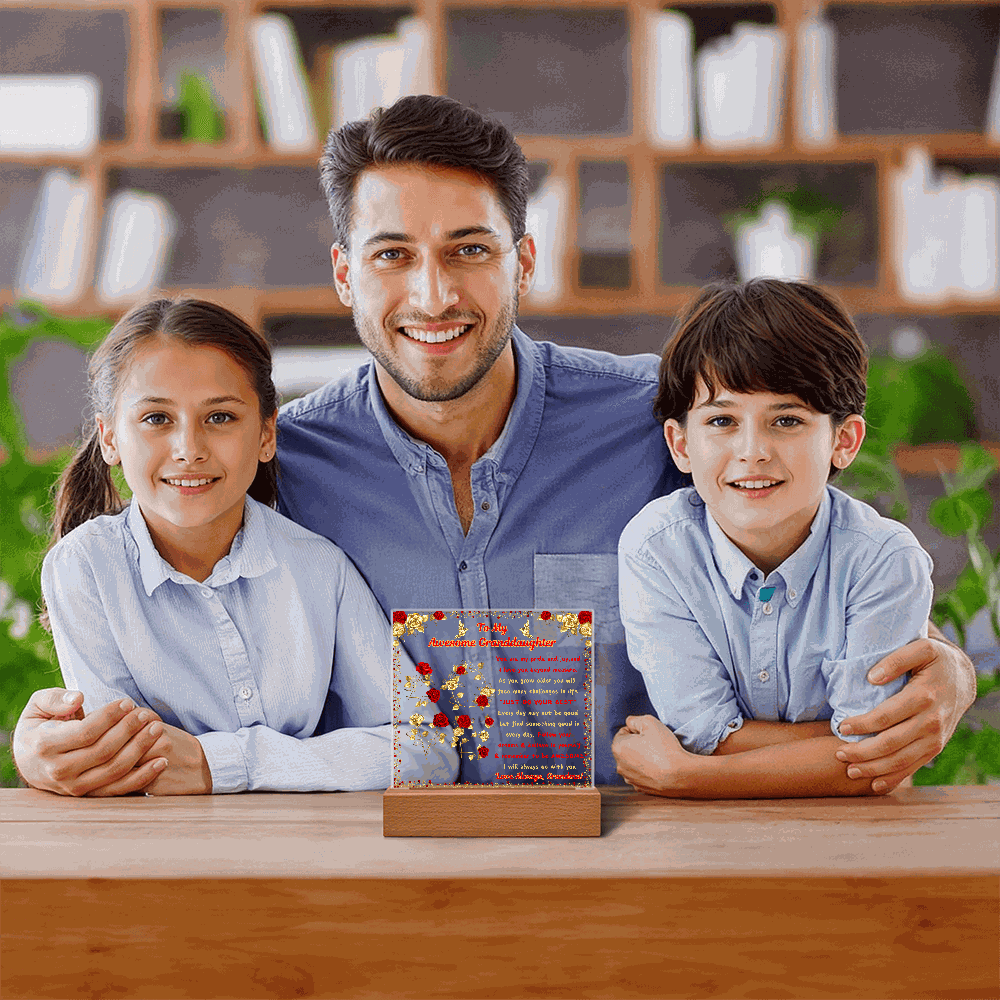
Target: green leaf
x=976, y=466
x=203, y=122
x=952, y=516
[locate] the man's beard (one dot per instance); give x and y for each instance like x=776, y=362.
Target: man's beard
x=490, y=348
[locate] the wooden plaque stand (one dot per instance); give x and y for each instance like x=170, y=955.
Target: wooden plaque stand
x=486, y=811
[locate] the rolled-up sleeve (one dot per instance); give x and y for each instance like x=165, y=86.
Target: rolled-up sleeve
x=887, y=607
x=686, y=680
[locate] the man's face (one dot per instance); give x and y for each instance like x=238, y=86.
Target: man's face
x=432, y=276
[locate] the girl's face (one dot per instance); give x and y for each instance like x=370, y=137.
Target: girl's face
x=188, y=433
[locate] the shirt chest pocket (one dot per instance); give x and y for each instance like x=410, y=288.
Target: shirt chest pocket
x=581, y=581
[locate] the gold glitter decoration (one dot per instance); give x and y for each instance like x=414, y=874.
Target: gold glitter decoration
x=398, y=628
x=568, y=622
x=422, y=703
x=488, y=691
x=458, y=731
x=587, y=628
x=588, y=644
x=484, y=735
x=441, y=737
x=415, y=622
x=416, y=719
x=526, y=629
x=462, y=630
x=407, y=683
x=450, y=684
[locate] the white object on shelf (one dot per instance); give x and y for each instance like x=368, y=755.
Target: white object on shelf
x=376, y=71
x=978, y=240
x=945, y=230
x=670, y=40
x=298, y=370
x=992, y=127
x=284, y=97
x=769, y=249
x=816, y=114
x=740, y=87
x=53, y=268
x=546, y=222
x=49, y=114
x=140, y=231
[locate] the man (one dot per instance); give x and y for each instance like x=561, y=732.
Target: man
x=468, y=466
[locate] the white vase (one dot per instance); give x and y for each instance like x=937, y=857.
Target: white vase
x=768, y=248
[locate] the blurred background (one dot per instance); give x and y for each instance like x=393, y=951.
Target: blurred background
x=158, y=144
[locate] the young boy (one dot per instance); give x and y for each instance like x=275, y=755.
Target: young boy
x=755, y=602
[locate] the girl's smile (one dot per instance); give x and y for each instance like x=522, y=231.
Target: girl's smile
x=188, y=433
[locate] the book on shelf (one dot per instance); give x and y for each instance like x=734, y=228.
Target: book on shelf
x=740, y=92
x=286, y=109
x=53, y=267
x=139, y=231
x=992, y=127
x=547, y=218
x=49, y=114
x=669, y=75
x=376, y=71
x=816, y=114
x=945, y=232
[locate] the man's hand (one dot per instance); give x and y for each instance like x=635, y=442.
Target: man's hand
x=914, y=725
x=188, y=773
x=650, y=758
x=57, y=749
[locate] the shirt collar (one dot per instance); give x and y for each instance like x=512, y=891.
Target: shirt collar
x=797, y=570
x=250, y=554
x=511, y=449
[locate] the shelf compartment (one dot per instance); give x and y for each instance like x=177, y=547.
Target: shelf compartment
x=695, y=246
x=72, y=41
x=543, y=71
x=924, y=69
x=262, y=228
x=603, y=230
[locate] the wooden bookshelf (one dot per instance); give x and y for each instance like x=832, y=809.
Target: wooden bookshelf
x=647, y=294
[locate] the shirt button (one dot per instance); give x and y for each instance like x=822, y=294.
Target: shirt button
x=733, y=724
x=767, y=609
x=485, y=505
x=419, y=468
x=791, y=594
x=245, y=693
x=763, y=675
x=462, y=565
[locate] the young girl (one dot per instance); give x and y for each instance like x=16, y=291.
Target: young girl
x=198, y=600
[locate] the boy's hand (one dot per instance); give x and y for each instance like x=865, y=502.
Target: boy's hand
x=914, y=725
x=650, y=758
x=57, y=749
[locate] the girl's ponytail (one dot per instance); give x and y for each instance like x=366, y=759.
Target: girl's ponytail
x=84, y=490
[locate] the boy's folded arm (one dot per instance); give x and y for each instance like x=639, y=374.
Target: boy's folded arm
x=651, y=759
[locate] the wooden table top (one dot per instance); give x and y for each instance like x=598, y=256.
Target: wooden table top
x=915, y=831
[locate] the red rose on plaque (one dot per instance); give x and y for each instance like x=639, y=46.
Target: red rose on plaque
x=424, y=669
x=399, y=617
x=438, y=616
x=488, y=721
x=585, y=617
x=483, y=752
x=545, y=616
x=440, y=719
x=433, y=694
x=460, y=669
x=463, y=722
x=482, y=701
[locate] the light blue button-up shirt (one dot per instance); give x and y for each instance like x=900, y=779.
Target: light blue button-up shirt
x=579, y=455
x=246, y=660
x=714, y=651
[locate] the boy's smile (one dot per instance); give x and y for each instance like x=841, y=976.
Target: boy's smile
x=761, y=461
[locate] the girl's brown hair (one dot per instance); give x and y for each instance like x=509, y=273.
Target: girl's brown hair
x=766, y=335
x=86, y=489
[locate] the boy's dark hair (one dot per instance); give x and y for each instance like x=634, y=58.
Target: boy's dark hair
x=766, y=335
x=423, y=130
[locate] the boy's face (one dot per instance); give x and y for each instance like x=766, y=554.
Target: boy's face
x=760, y=462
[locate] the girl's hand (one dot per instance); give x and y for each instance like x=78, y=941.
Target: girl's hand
x=650, y=758
x=187, y=771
